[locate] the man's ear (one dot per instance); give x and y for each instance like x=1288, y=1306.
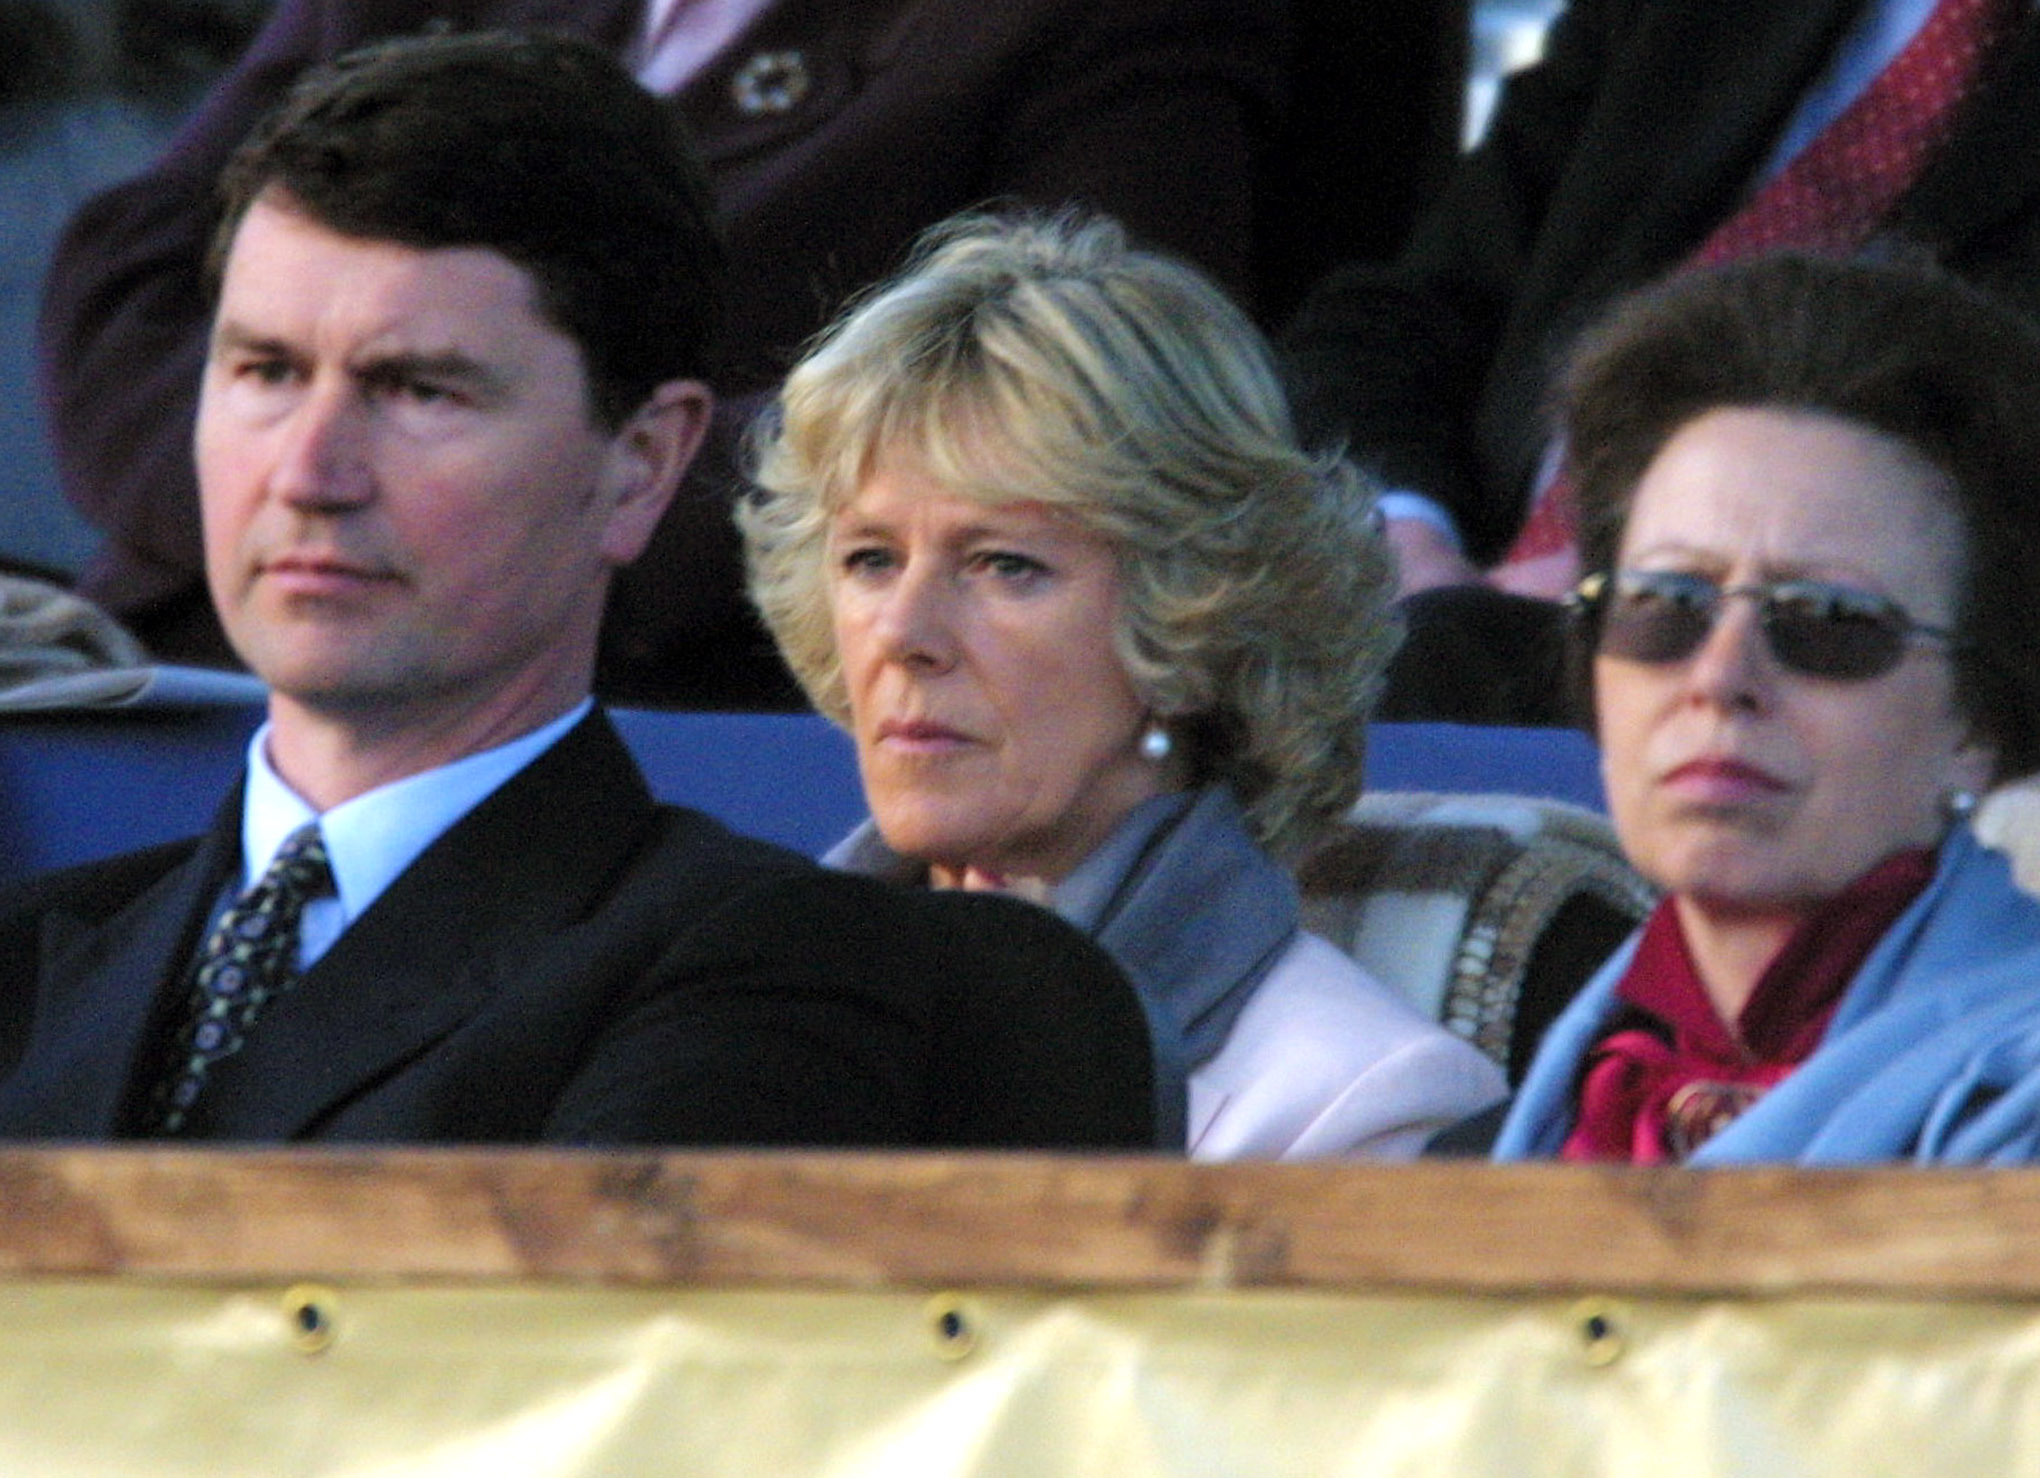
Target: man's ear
x=648, y=457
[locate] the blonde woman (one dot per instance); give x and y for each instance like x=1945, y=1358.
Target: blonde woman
x=1033, y=524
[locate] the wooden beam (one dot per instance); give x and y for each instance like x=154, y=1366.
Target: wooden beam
x=877, y=1221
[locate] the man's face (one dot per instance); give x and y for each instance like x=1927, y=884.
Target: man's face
x=410, y=515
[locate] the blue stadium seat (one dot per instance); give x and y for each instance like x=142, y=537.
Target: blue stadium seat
x=76, y=786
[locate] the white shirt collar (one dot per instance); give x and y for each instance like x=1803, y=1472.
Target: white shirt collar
x=372, y=838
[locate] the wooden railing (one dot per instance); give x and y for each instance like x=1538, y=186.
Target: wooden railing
x=843, y=1313
x=865, y=1221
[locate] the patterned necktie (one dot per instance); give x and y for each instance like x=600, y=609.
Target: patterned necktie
x=249, y=959
x=1836, y=191
x=1829, y=198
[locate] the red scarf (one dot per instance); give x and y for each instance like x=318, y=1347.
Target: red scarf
x=1667, y=1074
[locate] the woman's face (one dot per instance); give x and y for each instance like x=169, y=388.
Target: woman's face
x=995, y=726
x=1735, y=782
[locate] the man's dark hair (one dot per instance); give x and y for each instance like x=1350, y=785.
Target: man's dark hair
x=541, y=148
x=1903, y=350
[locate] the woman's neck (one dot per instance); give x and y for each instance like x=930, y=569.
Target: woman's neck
x=1731, y=949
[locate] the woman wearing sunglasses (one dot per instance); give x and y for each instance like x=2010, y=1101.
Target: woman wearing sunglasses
x=1810, y=500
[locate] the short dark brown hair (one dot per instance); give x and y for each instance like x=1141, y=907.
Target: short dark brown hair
x=1904, y=350
x=541, y=148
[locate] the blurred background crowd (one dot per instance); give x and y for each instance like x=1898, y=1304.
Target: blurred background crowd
x=91, y=91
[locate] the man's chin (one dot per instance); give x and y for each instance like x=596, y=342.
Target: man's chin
x=330, y=682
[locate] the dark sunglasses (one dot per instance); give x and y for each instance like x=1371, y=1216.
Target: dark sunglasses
x=1813, y=628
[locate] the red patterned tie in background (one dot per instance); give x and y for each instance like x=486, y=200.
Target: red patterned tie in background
x=1830, y=198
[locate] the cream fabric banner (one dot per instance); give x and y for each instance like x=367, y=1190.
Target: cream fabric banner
x=107, y=1378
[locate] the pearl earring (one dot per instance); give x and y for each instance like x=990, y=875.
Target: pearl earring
x=1958, y=805
x=1155, y=744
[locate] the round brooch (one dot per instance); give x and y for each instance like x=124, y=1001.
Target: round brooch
x=771, y=82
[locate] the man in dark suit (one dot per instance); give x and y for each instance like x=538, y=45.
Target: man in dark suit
x=1643, y=128
x=465, y=288
x=834, y=131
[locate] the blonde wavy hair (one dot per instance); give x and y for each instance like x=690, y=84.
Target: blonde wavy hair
x=1045, y=360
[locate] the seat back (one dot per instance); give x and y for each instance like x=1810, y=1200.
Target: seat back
x=2009, y=820
x=1487, y=912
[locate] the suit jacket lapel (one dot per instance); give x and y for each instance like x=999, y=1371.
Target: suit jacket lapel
x=1724, y=91
x=1627, y=208
x=611, y=23
x=474, y=910
x=103, y=989
x=1732, y=111
x=1990, y=168
x=1729, y=94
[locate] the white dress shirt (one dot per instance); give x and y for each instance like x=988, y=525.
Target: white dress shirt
x=372, y=838
x=683, y=36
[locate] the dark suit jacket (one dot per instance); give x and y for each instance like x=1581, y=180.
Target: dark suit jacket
x=572, y=963
x=1606, y=165
x=1153, y=110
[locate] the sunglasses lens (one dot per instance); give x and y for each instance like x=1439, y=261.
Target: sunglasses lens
x=1825, y=632
x=1656, y=617
x=1816, y=630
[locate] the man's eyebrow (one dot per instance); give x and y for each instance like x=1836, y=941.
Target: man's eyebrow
x=229, y=335
x=381, y=366
x=437, y=364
